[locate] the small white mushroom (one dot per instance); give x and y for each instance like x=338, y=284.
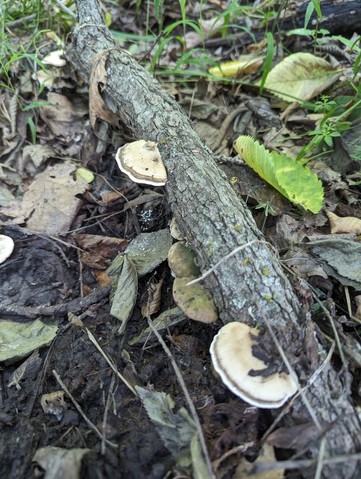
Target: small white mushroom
x=6, y=247
x=142, y=163
x=232, y=353
x=55, y=59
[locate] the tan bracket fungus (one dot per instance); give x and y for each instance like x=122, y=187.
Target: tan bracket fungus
x=194, y=300
x=142, y=163
x=233, y=359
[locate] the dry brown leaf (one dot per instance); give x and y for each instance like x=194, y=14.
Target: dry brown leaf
x=348, y=224
x=99, y=250
x=62, y=117
x=97, y=83
x=50, y=203
x=267, y=455
x=152, y=298
x=295, y=437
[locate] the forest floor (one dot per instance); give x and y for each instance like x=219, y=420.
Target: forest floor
x=69, y=398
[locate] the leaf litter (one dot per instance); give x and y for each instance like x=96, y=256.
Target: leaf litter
x=56, y=219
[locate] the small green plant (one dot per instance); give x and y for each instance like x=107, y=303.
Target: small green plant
x=336, y=120
x=23, y=25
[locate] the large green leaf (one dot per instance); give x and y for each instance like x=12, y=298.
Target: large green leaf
x=296, y=182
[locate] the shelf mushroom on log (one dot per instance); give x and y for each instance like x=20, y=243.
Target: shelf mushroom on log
x=216, y=222
x=249, y=373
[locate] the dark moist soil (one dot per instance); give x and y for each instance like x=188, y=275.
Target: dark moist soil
x=44, y=271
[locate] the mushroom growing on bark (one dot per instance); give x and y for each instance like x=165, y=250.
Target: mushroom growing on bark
x=142, y=163
x=236, y=357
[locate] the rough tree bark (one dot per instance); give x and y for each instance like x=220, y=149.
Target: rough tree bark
x=215, y=222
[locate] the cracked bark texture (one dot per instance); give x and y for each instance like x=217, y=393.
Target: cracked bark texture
x=215, y=222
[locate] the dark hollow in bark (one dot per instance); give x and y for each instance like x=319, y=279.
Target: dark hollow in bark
x=215, y=222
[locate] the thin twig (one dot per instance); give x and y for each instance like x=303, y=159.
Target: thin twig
x=291, y=371
x=309, y=383
x=65, y=8
x=320, y=458
x=75, y=306
x=225, y=258
x=80, y=411
x=110, y=362
x=21, y=21
x=187, y=397
x=302, y=463
x=105, y=416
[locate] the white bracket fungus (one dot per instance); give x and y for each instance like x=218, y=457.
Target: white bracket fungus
x=6, y=247
x=243, y=373
x=142, y=163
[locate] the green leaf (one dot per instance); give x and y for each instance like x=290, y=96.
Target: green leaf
x=18, y=340
x=295, y=182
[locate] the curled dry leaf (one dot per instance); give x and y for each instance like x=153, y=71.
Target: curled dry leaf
x=151, y=298
x=348, y=224
x=98, y=81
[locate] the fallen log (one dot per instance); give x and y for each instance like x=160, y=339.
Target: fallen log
x=216, y=222
x=338, y=16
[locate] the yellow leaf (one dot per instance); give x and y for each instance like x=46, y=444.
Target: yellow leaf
x=300, y=77
x=245, y=65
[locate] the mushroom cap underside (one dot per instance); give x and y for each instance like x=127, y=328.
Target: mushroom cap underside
x=233, y=360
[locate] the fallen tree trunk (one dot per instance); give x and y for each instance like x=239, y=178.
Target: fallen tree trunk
x=216, y=222
x=338, y=16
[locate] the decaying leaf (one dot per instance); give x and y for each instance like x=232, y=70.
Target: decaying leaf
x=97, y=82
x=50, y=203
x=250, y=470
x=294, y=181
x=62, y=116
x=341, y=259
x=125, y=288
x=27, y=367
x=294, y=437
x=300, y=77
x=59, y=463
x=348, y=224
x=168, y=318
x=143, y=254
x=98, y=251
x=176, y=429
x=151, y=298
x=18, y=340
x=148, y=250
